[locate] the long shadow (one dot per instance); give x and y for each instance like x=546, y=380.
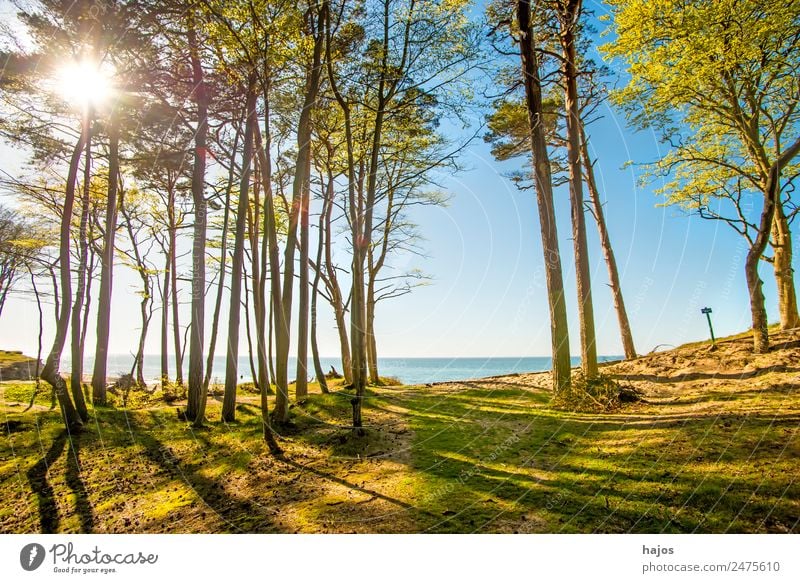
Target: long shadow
x=37, y=477
x=350, y=485
x=697, y=376
x=210, y=491
x=75, y=483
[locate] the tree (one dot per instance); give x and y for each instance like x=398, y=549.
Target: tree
x=13, y=232
x=569, y=13
x=719, y=81
x=231, y=374
x=106, y=272
x=196, y=405
x=538, y=123
x=379, y=60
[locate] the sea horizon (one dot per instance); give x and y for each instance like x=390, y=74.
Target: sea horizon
x=411, y=370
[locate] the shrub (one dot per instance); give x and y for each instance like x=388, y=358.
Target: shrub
x=598, y=394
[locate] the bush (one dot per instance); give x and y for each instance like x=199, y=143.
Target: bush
x=172, y=392
x=598, y=394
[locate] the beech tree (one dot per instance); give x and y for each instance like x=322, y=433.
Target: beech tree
x=718, y=80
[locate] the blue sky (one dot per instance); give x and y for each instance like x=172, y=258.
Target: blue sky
x=488, y=295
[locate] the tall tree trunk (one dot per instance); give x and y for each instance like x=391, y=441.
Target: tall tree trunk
x=608, y=252
x=147, y=295
x=301, y=384
x=50, y=371
x=259, y=285
x=772, y=188
x=246, y=305
x=232, y=364
x=544, y=196
x=300, y=189
x=100, y=371
x=784, y=272
x=76, y=378
x=569, y=17
x=223, y=255
x=196, y=407
x=264, y=161
x=372, y=345
x=337, y=303
x=754, y=283
x=269, y=342
x=87, y=299
x=173, y=258
x=165, y=324
x=319, y=373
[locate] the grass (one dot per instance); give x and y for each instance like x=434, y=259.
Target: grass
x=485, y=456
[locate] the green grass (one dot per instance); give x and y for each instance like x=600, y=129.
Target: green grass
x=484, y=456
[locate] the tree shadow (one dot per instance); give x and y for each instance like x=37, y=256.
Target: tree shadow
x=239, y=515
x=75, y=483
x=37, y=477
x=352, y=486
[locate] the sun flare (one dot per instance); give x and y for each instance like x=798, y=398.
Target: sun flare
x=81, y=83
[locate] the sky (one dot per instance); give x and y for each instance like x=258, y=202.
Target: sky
x=487, y=296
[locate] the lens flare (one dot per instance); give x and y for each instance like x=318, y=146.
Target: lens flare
x=85, y=83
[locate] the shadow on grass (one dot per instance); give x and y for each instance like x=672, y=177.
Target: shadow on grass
x=74, y=481
x=37, y=477
x=239, y=515
x=581, y=473
x=49, y=519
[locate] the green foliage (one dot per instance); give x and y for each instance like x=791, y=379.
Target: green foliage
x=718, y=80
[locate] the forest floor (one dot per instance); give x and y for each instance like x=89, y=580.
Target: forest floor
x=712, y=447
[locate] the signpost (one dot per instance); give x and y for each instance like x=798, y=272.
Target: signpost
x=707, y=312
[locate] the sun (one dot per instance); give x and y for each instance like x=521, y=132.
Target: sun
x=85, y=83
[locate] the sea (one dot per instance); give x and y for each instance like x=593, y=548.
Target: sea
x=409, y=371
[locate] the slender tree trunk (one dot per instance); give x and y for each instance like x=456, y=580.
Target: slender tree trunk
x=87, y=302
x=337, y=303
x=264, y=161
x=223, y=255
x=544, y=196
x=173, y=258
x=771, y=191
x=100, y=372
x=608, y=252
x=269, y=344
x=259, y=285
x=265, y=369
x=754, y=283
x=196, y=407
x=76, y=378
x=232, y=364
x=50, y=371
x=570, y=16
x=300, y=188
x=246, y=305
x=784, y=273
x=41, y=328
x=165, y=325
x=319, y=373
x=147, y=295
x=372, y=345
x=145, y=313
x=301, y=384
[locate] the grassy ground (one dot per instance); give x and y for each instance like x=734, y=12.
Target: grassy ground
x=713, y=448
